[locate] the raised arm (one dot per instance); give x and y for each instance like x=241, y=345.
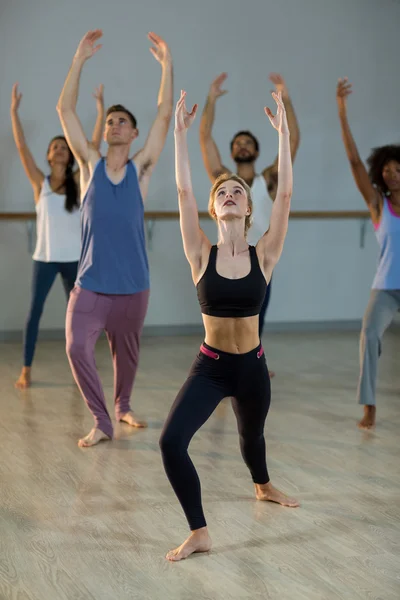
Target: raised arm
x=194, y=239
x=146, y=159
x=66, y=106
x=269, y=248
x=33, y=173
x=369, y=193
x=211, y=156
x=271, y=172
x=99, y=125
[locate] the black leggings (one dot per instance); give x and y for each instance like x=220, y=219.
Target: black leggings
x=243, y=376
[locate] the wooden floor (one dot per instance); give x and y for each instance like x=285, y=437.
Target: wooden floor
x=95, y=524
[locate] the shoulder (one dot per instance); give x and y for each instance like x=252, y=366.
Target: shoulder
x=142, y=164
x=93, y=154
x=41, y=187
x=270, y=176
x=88, y=168
x=376, y=207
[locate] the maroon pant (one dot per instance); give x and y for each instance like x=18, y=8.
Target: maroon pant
x=122, y=318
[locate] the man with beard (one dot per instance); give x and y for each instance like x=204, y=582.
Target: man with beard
x=244, y=152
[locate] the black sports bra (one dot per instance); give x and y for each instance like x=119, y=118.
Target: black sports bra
x=222, y=297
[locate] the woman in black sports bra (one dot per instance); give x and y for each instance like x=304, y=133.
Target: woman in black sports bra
x=231, y=280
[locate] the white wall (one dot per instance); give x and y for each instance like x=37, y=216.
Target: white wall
x=323, y=274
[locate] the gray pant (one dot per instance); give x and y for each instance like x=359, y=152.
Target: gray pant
x=382, y=306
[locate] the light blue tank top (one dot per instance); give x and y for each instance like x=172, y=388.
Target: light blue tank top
x=388, y=235
x=113, y=255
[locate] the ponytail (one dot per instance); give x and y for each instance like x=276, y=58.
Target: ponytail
x=71, y=189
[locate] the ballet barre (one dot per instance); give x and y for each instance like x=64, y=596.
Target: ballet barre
x=152, y=216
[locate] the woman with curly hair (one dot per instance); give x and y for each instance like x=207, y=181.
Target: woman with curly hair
x=380, y=188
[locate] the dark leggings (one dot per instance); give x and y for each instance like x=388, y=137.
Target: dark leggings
x=44, y=275
x=243, y=376
x=264, y=308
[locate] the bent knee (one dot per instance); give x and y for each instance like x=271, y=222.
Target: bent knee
x=77, y=350
x=171, y=444
x=370, y=332
x=250, y=439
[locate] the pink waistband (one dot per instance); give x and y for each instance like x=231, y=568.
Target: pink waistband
x=215, y=355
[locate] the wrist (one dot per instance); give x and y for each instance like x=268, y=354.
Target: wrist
x=78, y=60
x=180, y=132
x=166, y=63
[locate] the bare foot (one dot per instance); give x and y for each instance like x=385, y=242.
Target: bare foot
x=24, y=380
x=368, y=420
x=198, y=541
x=267, y=492
x=93, y=438
x=132, y=420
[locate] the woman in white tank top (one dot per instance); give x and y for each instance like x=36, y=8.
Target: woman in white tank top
x=58, y=222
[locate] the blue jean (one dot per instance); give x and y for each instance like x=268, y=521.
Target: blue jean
x=380, y=312
x=264, y=307
x=44, y=275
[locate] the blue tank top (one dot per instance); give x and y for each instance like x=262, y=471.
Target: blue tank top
x=388, y=235
x=113, y=254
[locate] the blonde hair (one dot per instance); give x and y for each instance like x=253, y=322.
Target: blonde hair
x=231, y=177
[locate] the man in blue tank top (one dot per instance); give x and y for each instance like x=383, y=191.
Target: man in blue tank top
x=112, y=287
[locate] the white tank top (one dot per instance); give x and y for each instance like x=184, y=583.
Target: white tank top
x=262, y=206
x=58, y=232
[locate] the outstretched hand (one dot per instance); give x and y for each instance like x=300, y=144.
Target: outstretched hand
x=160, y=49
x=87, y=47
x=183, y=118
x=99, y=93
x=278, y=121
x=343, y=90
x=279, y=83
x=15, y=97
x=215, y=87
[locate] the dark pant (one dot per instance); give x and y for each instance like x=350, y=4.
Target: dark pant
x=44, y=275
x=245, y=378
x=264, y=307
x=122, y=318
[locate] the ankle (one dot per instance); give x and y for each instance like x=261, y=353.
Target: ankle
x=262, y=486
x=26, y=370
x=200, y=531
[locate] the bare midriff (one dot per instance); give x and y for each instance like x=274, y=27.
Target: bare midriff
x=234, y=335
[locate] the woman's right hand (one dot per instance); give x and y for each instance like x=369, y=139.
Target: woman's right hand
x=183, y=118
x=343, y=90
x=15, y=98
